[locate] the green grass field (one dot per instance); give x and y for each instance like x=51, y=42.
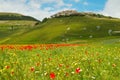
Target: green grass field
x=90, y=62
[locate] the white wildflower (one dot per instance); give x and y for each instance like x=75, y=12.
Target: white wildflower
x=84, y=28
x=80, y=36
x=68, y=28
x=45, y=73
x=37, y=72
x=73, y=72
x=57, y=68
x=90, y=36
x=93, y=77
x=110, y=32
x=98, y=27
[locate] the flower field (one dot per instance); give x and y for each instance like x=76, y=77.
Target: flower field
x=59, y=62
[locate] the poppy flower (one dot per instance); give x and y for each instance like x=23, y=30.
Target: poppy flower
x=66, y=74
x=78, y=70
x=60, y=65
x=7, y=67
x=32, y=69
x=52, y=75
x=38, y=64
x=49, y=59
x=67, y=66
x=12, y=72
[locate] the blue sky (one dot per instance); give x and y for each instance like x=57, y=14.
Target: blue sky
x=87, y=5
x=81, y=5
x=45, y=8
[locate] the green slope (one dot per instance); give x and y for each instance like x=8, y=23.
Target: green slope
x=13, y=24
x=9, y=28
x=71, y=29
x=15, y=16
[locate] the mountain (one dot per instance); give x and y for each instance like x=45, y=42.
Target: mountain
x=72, y=28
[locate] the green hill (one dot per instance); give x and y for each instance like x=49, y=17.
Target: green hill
x=15, y=16
x=62, y=29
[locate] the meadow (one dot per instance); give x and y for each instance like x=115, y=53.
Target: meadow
x=60, y=62
x=59, y=48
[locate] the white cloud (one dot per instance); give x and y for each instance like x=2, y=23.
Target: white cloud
x=85, y=3
x=77, y=1
x=112, y=8
x=33, y=7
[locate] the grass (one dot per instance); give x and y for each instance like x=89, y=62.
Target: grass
x=86, y=62
x=13, y=28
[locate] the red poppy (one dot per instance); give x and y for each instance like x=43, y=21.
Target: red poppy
x=66, y=74
x=32, y=69
x=7, y=67
x=12, y=72
x=49, y=59
x=38, y=64
x=78, y=70
x=52, y=75
x=67, y=66
x=60, y=65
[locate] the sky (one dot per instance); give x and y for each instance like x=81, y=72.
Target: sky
x=40, y=9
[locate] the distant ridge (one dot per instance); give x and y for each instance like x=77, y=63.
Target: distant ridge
x=76, y=13
x=15, y=16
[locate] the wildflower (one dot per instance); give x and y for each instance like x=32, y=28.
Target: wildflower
x=67, y=66
x=12, y=72
x=38, y=55
x=52, y=75
x=38, y=64
x=7, y=67
x=32, y=69
x=72, y=72
x=78, y=70
x=37, y=72
x=114, y=65
x=99, y=60
x=49, y=59
x=68, y=28
x=45, y=73
x=90, y=36
x=57, y=68
x=66, y=74
x=45, y=64
x=75, y=63
x=60, y=65
x=93, y=77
